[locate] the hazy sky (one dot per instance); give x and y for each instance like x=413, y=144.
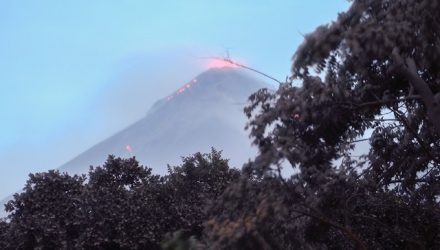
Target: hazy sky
x=74, y=72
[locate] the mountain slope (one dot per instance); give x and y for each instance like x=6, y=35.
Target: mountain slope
x=206, y=112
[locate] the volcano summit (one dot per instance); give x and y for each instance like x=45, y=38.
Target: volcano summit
x=205, y=112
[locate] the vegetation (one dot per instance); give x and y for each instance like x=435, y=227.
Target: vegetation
x=380, y=82
x=373, y=75
x=120, y=205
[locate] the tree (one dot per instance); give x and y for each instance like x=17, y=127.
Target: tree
x=373, y=75
x=251, y=214
x=124, y=207
x=4, y=230
x=47, y=213
x=194, y=185
x=120, y=205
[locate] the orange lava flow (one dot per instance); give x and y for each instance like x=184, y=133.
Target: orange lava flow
x=219, y=63
x=182, y=89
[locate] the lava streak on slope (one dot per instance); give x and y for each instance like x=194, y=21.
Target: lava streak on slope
x=182, y=89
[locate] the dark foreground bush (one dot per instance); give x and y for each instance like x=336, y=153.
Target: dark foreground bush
x=120, y=205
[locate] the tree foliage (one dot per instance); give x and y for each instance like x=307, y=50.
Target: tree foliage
x=47, y=212
x=199, y=179
x=372, y=75
x=120, y=205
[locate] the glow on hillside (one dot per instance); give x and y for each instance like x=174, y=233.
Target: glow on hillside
x=129, y=149
x=220, y=63
x=182, y=89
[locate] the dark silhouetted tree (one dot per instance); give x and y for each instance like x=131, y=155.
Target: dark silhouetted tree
x=373, y=75
x=120, y=205
x=4, y=237
x=47, y=214
x=124, y=207
x=197, y=182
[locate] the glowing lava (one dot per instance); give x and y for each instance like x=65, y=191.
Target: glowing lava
x=213, y=63
x=129, y=149
x=219, y=63
x=182, y=89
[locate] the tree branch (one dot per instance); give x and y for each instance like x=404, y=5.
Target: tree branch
x=359, y=243
x=406, y=98
x=228, y=60
x=409, y=70
x=381, y=102
x=403, y=120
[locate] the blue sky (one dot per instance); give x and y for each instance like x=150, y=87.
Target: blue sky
x=74, y=72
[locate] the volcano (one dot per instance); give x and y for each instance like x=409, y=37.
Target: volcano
x=205, y=112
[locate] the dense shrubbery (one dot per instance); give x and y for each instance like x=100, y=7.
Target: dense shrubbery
x=120, y=205
x=381, y=84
